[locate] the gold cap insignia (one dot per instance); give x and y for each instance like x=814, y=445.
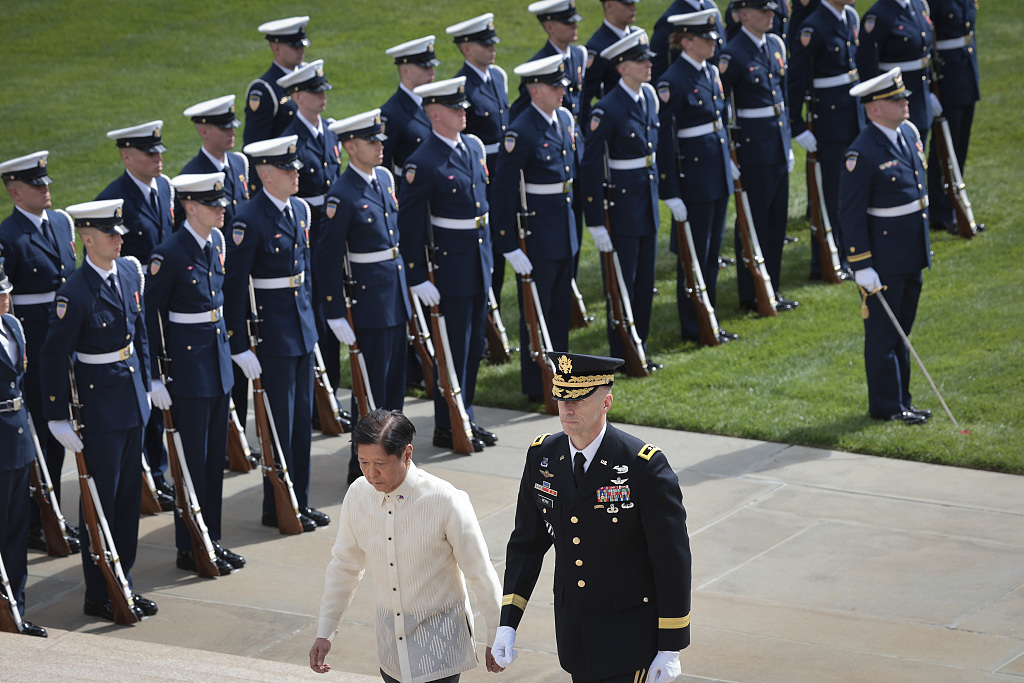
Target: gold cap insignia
x=218, y=186
x=564, y=365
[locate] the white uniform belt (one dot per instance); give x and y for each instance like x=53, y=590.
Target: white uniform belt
x=12, y=405
x=836, y=81
x=314, y=201
x=32, y=299
x=955, y=43
x=912, y=65
x=374, y=256
x=460, y=223
x=630, y=164
x=698, y=131
x=196, y=318
x=105, y=358
x=492, y=149
x=768, y=112
x=894, y=211
x=549, y=188
x=290, y=281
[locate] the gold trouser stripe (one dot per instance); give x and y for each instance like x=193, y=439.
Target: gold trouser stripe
x=859, y=257
x=514, y=600
x=674, y=622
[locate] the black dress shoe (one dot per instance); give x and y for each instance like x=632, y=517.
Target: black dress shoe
x=923, y=412
x=164, y=487
x=71, y=531
x=165, y=501
x=980, y=227
x=783, y=304
x=36, y=539
x=103, y=609
x=443, y=439
x=30, y=629
x=749, y=304
x=905, y=417
x=790, y=239
x=74, y=545
x=187, y=561
x=724, y=336
x=320, y=518
x=307, y=523
x=235, y=560
x=489, y=438
x=147, y=606
x=653, y=367
x=725, y=262
x=353, y=475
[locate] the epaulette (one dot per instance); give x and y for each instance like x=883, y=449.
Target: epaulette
x=504, y=75
x=71, y=225
x=142, y=276
x=270, y=91
x=654, y=96
x=539, y=440
x=647, y=451
x=483, y=150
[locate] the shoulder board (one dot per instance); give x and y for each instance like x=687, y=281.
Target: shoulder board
x=654, y=96
x=142, y=276
x=917, y=133
x=480, y=143
x=245, y=163
x=71, y=222
x=780, y=41
x=647, y=451
x=539, y=440
x=504, y=75
x=269, y=91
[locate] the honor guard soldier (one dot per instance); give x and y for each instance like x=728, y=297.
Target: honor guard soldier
x=665, y=52
x=560, y=21
x=19, y=452
x=39, y=243
x=360, y=225
x=822, y=68
x=753, y=72
x=445, y=209
x=898, y=33
x=268, y=109
x=883, y=206
x=613, y=510
x=959, y=83
x=268, y=243
x=693, y=155
x=405, y=123
x=185, y=321
x=540, y=147
x=624, y=128
x=799, y=11
x=148, y=215
x=320, y=154
x=99, y=323
x=599, y=77
x=780, y=23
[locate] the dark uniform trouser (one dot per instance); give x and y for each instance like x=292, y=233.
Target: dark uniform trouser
x=632, y=677
x=330, y=347
x=637, y=256
x=465, y=318
x=886, y=358
x=202, y=424
x=384, y=351
x=288, y=382
x=114, y=464
x=14, y=507
x=707, y=226
x=768, y=191
x=830, y=158
x=153, y=444
x=449, y=679
x=960, y=119
x=553, y=286
x=53, y=451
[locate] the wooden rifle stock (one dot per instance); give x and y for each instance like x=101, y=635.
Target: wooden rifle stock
x=360, y=382
x=707, y=321
x=10, y=615
x=536, y=327
x=420, y=340
x=579, y=318
x=240, y=458
x=952, y=176
x=331, y=421
x=821, y=225
x=150, y=505
x=54, y=525
x=497, y=337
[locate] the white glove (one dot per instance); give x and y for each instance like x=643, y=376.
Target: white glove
x=734, y=169
x=602, y=240
x=936, y=105
x=427, y=293
x=160, y=396
x=64, y=432
x=343, y=331
x=502, y=650
x=664, y=668
x=519, y=261
x=678, y=209
x=807, y=141
x=248, y=363
x=868, y=279
x=790, y=162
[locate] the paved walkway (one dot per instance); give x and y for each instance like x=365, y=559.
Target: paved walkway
x=809, y=566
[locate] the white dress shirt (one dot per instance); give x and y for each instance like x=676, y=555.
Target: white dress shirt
x=422, y=543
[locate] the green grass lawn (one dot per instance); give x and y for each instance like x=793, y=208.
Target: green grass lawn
x=72, y=71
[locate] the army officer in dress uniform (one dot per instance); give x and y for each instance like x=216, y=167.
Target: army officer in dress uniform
x=883, y=206
x=269, y=242
x=39, y=243
x=185, y=321
x=360, y=230
x=612, y=508
x=623, y=129
x=406, y=125
x=268, y=110
x=99, y=322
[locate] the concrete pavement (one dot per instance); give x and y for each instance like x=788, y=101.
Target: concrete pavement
x=809, y=566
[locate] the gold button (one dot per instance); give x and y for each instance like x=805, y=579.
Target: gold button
x=581, y=583
x=579, y=563
x=576, y=541
x=574, y=519
x=646, y=600
x=131, y=368
x=615, y=520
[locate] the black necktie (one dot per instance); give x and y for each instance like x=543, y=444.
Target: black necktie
x=288, y=216
x=376, y=188
x=707, y=75
x=113, y=288
x=577, y=470
x=901, y=144
x=48, y=232
x=207, y=252
x=461, y=149
x=764, y=50
x=154, y=202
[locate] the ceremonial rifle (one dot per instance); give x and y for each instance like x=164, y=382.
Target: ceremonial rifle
x=360, y=379
x=447, y=379
x=101, y=541
x=240, y=457
x=150, y=505
x=578, y=313
x=274, y=467
x=752, y=256
x=952, y=178
x=332, y=423
x=539, y=340
x=422, y=345
x=621, y=312
x=55, y=528
x=10, y=615
x=497, y=337
x=821, y=225
x=187, y=502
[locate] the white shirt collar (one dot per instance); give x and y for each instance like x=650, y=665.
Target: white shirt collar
x=277, y=202
x=591, y=450
x=104, y=274
x=617, y=31
x=415, y=98
x=144, y=188
x=484, y=75
x=840, y=15
x=565, y=53
x=220, y=164
x=401, y=494
x=200, y=240
x=888, y=132
x=365, y=176
x=36, y=220
x=318, y=129
x=549, y=119
x=699, y=66
x=760, y=43
x=633, y=94
x=448, y=141
x=283, y=68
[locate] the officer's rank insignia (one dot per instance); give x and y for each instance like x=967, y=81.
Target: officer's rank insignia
x=544, y=461
x=546, y=474
x=545, y=488
x=612, y=494
x=805, y=36
x=254, y=101
x=723, y=64
x=237, y=235
x=621, y=469
x=595, y=121
x=154, y=266
x=851, y=162
x=664, y=93
x=510, y=143
x=869, y=23
x=331, y=208
x=410, y=174
x=62, y=308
